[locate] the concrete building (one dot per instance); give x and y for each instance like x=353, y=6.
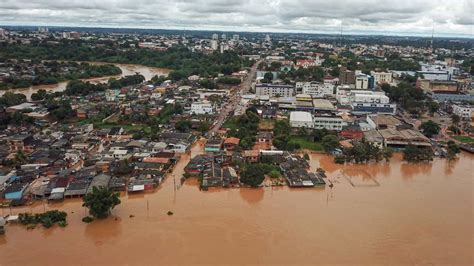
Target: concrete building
x=464, y=111
x=452, y=97
x=437, y=85
x=399, y=139
x=366, y=101
x=274, y=90
x=214, y=45
x=382, y=121
x=346, y=76
x=301, y=119
x=335, y=123
x=202, y=108
x=215, y=36
x=374, y=137
x=435, y=75
x=364, y=82
x=3, y=33
x=323, y=105
x=315, y=89
x=382, y=77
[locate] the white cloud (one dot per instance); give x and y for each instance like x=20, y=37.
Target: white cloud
x=448, y=17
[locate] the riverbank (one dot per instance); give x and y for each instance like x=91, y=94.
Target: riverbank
x=413, y=217
x=127, y=69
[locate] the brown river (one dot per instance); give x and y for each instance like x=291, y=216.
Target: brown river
x=127, y=69
x=395, y=213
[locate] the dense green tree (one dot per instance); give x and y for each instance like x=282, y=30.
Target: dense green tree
x=252, y=175
x=183, y=125
x=101, y=201
x=433, y=107
x=39, y=95
x=452, y=150
x=412, y=153
x=330, y=143
x=455, y=119
x=10, y=99
x=387, y=153
x=430, y=128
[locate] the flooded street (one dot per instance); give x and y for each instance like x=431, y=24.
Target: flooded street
x=417, y=214
x=127, y=69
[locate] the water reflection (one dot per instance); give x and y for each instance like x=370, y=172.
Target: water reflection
x=252, y=195
x=410, y=170
x=449, y=166
x=103, y=230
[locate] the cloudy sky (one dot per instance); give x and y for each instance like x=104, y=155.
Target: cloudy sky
x=412, y=17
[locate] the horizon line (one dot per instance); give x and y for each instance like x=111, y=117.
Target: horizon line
x=177, y=28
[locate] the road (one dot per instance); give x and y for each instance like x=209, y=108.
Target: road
x=234, y=100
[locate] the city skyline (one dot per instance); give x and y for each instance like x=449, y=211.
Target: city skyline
x=418, y=18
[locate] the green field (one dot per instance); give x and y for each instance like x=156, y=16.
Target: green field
x=464, y=139
x=231, y=123
x=306, y=144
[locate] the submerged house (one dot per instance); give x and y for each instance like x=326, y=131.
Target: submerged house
x=77, y=188
x=15, y=191
x=101, y=180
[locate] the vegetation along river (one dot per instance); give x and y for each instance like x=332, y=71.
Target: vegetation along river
x=127, y=69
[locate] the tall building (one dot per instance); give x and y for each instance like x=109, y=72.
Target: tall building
x=267, y=38
x=346, y=76
x=214, y=45
x=236, y=37
x=66, y=35
x=223, y=36
x=274, y=90
x=43, y=30
x=3, y=33
x=215, y=36
x=364, y=82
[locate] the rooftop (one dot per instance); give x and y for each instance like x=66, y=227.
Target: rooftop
x=301, y=116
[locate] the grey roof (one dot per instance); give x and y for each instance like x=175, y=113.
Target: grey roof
x=101, y=180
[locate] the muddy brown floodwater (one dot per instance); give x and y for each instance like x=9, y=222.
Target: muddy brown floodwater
x=394, y=213
x=127, y=69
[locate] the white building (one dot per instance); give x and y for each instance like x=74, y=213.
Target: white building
x=111, y=95
x=274, y=90
x=236, y=37
x=435, y=75
x=362, y=82
x=382, y=77
x=347, y=96
x=215, y=36
x=214, y=45
x=315, y=89
x=366, y=101
x=202, y=108
x=329, y=122
x=463, y=111
x=301, y=119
